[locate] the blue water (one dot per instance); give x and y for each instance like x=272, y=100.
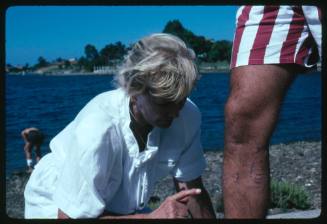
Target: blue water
x=51, y=102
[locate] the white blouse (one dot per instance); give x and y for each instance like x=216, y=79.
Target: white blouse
x=95, y=163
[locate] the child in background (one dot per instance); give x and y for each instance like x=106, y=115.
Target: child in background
x=33, y=137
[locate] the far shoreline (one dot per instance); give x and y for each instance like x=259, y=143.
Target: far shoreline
x=65, y=73
x=211, y=72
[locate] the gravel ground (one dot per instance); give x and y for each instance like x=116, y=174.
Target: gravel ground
x=298, y=163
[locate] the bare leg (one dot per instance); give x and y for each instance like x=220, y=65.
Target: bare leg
x=28, y=154
x=28, y=150
x=251, y=112
x=38, y=153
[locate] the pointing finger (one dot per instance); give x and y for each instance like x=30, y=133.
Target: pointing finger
x=183, y=195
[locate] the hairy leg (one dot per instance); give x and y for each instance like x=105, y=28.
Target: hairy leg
x=251, y=112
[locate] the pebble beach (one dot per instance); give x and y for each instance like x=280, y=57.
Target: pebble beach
x=298, y=163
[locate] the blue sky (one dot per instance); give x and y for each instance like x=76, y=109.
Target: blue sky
x=63, y=31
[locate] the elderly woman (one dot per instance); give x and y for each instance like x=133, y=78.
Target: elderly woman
x=106, y=162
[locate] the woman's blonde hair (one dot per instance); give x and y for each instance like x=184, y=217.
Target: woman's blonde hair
x=161, y=65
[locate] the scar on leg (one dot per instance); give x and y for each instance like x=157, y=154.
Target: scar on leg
x=236, y=177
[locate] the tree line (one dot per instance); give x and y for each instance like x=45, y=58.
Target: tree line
x=206, y=50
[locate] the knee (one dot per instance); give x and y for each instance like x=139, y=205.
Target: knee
x=238, y=110
x=239, y=120
x=248, y=119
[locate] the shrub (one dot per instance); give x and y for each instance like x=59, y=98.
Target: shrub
x=287, y=195
x=284, y=195
x=154, y=202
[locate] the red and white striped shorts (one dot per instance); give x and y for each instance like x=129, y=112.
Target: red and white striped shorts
x=277, y=35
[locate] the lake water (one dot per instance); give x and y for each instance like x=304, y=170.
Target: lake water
x=51, y=102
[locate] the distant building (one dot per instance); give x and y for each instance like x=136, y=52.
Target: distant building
x=48, y=69
x=73, y=61
x=104, y=70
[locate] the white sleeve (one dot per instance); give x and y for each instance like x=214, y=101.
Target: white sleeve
x=88, y=166
x=192, y=163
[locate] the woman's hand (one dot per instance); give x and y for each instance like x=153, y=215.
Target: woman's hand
x=174, y=206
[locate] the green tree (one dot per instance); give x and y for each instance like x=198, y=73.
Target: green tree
x=26, y=67
x=112, y=53
x=176, y=28
x=199, y=44
x=220, y=51
x=42, y=62
x=91, y=57
x=91, y=53
x=85, y=64
x=67, y=64
x=59, y=59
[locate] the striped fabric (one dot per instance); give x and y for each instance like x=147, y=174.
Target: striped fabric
x=277, y=35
